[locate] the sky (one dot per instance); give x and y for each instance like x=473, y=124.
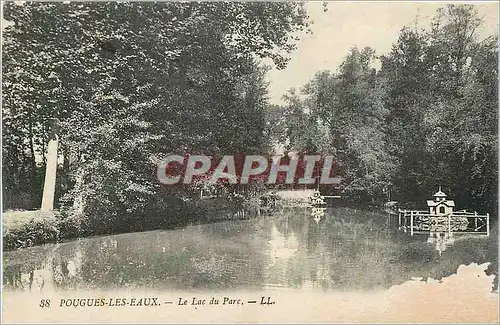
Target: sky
x=346, y=24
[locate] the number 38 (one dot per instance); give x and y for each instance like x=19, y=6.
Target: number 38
x=44, y=303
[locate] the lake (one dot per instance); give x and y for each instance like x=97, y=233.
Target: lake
x=343, y=250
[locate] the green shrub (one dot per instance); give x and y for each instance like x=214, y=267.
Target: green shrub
x=35, y=232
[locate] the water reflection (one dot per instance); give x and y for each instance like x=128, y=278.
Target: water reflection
x=442, y=240
x=331, y=249
x=317, y=213
x=443, y=230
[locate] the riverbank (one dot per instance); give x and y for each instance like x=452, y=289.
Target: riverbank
x=16, y=219
x=30, y=228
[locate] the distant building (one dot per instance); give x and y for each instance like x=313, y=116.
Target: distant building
x=440, y=206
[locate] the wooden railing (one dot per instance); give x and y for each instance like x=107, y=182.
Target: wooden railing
x=407, y=219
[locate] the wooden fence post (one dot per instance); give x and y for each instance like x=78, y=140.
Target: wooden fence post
x=487, y=224
x=411, y=223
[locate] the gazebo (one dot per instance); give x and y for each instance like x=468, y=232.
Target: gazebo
x=440, y=206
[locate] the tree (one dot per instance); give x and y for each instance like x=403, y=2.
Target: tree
x=343, y=115
x=427, y=118
x=442, y=99
x=132, y=82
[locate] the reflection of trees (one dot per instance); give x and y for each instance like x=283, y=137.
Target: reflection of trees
x=351, y=249
x=213, y=256
x=219, y=255
x=241, y=246
x=313, y=235
x=347, y=249
x=39, y=268
x=12, y=276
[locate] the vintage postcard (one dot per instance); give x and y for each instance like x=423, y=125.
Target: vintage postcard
x=249, y=162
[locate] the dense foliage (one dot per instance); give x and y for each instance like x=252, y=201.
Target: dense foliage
x=427, y=117
x=126, y=84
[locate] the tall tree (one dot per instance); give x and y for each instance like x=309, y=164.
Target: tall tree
x=442, y=109
x=131, y=82
x=343, y=115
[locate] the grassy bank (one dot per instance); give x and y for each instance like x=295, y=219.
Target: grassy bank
x=29, y=228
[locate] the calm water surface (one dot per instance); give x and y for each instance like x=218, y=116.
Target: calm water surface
x=346, y=249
